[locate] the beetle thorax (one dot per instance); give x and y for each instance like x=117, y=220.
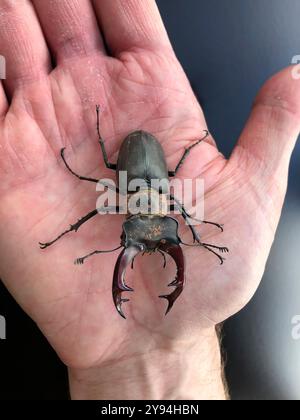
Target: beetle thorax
x=147, y=202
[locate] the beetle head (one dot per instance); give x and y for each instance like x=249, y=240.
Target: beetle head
x=148, y=234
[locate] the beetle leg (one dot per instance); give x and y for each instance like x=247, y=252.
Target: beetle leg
x=82, y=259
x=183, y=212
x=185, y=153
x=220, y=248
x=82, y=178
x=107, y=163
x=119, y=286
x=196, y=238
x=176, y=253
x=207, y=246
x=80, y=222
x=222, y=259
x=72, y=228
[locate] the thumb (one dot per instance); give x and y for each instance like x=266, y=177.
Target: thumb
x=269, y=137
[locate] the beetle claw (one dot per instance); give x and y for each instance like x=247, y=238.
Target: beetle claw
x=171, y=298
x=118, y=303
x=79, y=261
x=173, y=283
x=224, y=249
x=176, y=253
x=119, y=286
x=127, y=288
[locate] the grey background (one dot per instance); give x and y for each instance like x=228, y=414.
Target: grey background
x=228, y=49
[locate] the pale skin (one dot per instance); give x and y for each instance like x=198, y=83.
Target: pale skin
x=47, y=104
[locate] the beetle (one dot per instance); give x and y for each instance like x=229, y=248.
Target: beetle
x=142, y=156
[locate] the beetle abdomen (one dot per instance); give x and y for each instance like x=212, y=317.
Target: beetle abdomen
x=142, y=156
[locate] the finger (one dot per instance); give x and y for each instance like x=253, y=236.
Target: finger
x=22, y=44
x=131, y=24
x=70, y=27
x=269, y=137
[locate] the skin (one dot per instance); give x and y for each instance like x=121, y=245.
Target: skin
x=48, y=102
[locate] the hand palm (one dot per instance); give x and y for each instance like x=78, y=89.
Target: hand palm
x=73, y=305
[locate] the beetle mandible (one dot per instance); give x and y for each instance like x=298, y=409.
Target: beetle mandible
x=142, y=156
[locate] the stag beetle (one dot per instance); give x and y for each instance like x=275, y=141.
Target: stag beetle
x=142, y=156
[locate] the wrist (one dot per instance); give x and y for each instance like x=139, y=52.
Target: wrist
x=190, y=373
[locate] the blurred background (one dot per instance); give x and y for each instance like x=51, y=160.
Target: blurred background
x=228, y=49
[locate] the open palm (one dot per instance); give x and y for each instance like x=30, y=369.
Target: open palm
x=141, y=87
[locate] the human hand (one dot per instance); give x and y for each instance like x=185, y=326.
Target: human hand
x=141, y=86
